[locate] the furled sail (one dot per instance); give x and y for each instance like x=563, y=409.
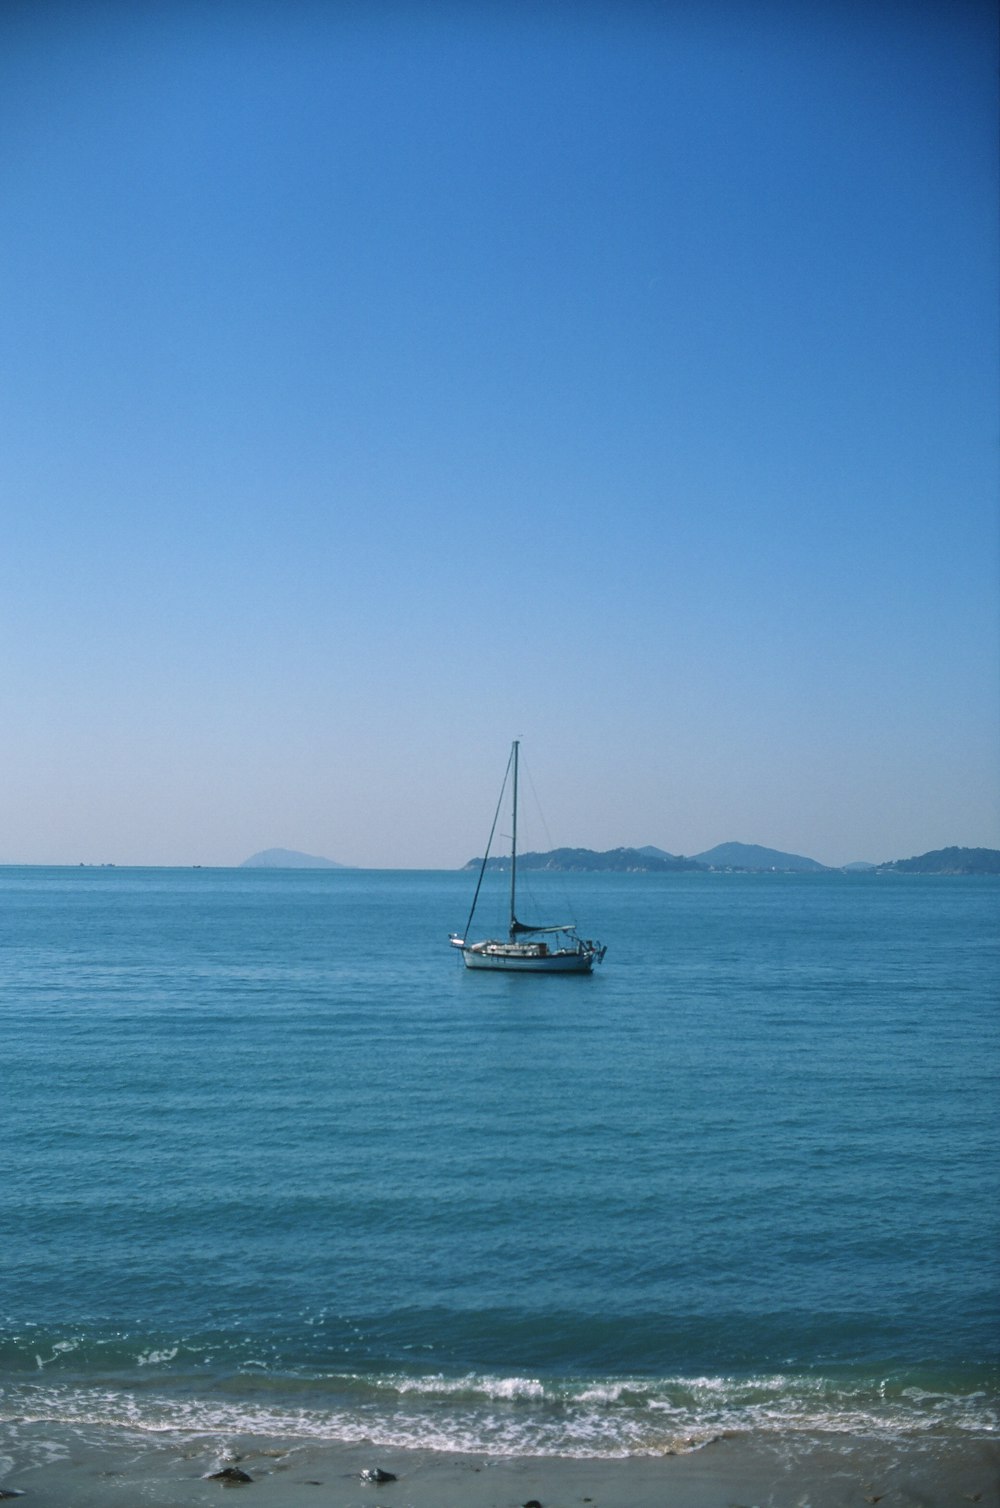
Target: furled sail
x=518, y=928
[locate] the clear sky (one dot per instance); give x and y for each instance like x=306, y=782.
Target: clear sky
x=380, y=382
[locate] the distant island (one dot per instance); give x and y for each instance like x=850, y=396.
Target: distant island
x=616, y=860
x=750, y=856
x=287, y=858
x=742, y=858
x=948, y=861
x=747, y=858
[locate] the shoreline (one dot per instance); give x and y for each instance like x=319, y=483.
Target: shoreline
x=104, y=1467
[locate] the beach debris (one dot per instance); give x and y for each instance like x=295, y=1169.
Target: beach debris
x=10, y=1492
x=877, y=1498
x=532, y=1503
x=230, y=1476
x=376, y=1474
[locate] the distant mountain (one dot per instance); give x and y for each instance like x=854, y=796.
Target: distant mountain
x=619, y=860
x=749, y=858
x=287, y=858
x=752, y=857
x=949, y=861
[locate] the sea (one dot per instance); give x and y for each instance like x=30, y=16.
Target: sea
x=273, y=1162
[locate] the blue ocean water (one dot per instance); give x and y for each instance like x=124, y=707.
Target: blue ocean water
x=273, y=1160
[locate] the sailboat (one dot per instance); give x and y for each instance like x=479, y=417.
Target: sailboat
x=526, y=949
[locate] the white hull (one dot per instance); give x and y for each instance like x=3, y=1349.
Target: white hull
x=526, y=960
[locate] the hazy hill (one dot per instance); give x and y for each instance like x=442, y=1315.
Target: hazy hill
x=949, y=861
x=621, y=860
x=287, y=858
x=752, y=856
x=749, y=858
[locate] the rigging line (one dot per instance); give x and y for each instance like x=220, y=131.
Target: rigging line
x=489, y=842
x=564, y=890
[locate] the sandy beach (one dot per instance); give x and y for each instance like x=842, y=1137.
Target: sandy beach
x=113, y=1469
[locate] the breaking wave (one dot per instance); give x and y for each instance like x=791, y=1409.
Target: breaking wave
x=508, y=1416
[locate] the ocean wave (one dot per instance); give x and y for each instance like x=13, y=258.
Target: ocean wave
x=517, y=1415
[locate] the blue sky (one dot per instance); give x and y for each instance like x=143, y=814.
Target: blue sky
x=380, y=382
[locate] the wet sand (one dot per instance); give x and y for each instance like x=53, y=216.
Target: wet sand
x=119, y=1469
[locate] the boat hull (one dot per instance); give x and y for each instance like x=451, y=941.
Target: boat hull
x=526, y=962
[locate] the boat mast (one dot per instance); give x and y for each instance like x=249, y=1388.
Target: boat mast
x=513, y=849
x=489, y=845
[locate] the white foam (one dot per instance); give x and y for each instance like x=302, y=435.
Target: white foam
x=59, y=1348
x=518, y=1415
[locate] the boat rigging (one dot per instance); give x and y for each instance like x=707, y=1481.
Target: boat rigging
x=526, y=948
